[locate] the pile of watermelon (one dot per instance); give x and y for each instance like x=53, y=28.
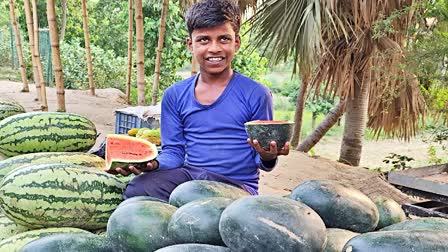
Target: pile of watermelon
x=56, y=197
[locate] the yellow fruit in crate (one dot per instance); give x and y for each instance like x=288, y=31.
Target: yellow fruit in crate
x=140, y=132
x=154, y=140
x=133, y=131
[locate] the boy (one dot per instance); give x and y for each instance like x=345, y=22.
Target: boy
x=202, y=118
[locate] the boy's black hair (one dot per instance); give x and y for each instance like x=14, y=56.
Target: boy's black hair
x=211, y=13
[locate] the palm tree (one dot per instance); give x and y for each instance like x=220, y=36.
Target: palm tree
x=25, y=87
x=87, y=45
x=140, y=52
x=335, y=42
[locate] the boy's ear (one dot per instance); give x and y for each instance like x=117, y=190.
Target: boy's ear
x=189, y=44
x=237, y=42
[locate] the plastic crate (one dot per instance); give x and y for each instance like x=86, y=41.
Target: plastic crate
x=125, y=122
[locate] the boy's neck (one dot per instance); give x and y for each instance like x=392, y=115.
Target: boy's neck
x=221, y=79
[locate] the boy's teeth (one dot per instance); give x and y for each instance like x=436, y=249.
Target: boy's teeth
x=214, y=59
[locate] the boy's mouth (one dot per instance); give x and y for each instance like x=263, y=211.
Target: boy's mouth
x=215, y=59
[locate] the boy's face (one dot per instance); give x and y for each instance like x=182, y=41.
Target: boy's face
x=214, y=48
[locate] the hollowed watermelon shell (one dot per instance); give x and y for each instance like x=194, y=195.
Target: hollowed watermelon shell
x=266, y=131
x=123, y=150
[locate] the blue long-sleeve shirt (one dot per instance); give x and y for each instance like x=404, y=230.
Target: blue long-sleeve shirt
x=213, y=137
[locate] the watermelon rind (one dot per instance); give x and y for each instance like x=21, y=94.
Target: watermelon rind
x=267, y=131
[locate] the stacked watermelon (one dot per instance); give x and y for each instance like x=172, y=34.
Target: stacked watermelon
x=9, y=108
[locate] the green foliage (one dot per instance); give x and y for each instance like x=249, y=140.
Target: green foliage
x=398, y=162
x=5, y=48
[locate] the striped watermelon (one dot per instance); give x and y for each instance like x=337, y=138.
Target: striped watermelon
x=45, y=132
x=16, y=242
x=78, y=158
x=9, y=228
x=60, y=195
x=8, y=108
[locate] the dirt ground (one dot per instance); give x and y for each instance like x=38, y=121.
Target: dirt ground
x=291, y=170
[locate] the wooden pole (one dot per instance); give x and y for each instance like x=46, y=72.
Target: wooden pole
x=36, y=55
x=55, y=55
x=29, y=25
x=140, y=52
x=194, y=66
x=155, y=86
x=87, y=45
x=25, y=87
x=130, y=35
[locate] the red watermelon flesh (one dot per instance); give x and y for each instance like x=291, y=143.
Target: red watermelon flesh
x=123, y=151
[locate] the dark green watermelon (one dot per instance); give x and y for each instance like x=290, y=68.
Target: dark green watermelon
x=337, y=238
x=139, y=198
x=390, y=212
x=265, y=223
x=267, y=131
x=74, y=242
x=140, y=226
x=338, y=205
x=199, y=189
x=399, y=241
x=429, y=223
x=193, y=248
x=198, y=221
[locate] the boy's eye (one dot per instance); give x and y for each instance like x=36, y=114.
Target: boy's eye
x=202, y=39
x=225, y=39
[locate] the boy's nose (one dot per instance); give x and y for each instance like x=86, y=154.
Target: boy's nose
x=215, y=47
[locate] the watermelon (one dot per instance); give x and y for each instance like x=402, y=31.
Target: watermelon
x=399, y=241
x=45, y=132
x=267, y=131
x=60, y=195
x=265, y=223
x=337, y=238
x=16, y=242
x=9, y=228
x=73, y=242
x=8, y=109
x=340, y=206
x=390, y=212
x=199, y=189
x=139, y=198
x=78, y=158
x=198, y=221
x=193, y=248
x=140, y=226
x=123, y=150
x=429, y=223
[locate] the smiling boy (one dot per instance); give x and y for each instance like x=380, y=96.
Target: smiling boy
x=202, y=118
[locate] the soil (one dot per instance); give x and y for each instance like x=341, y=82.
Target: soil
x=291, y=170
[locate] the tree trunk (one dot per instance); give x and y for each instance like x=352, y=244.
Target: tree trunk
x=140, y=52
x=130, y=35
x=330, y=120
x=313, y=120
x=355, y=124
x=155, y=86
x=25, y=87
x=36, y=55
x=298, y=116
x=55, y=55
x=87, y=45
x=194, y=66
x=64, y=19
x=29, y=25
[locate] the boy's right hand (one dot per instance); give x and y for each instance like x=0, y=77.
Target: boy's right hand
x=150, y=166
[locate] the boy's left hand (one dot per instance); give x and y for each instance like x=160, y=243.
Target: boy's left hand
x=270, y=154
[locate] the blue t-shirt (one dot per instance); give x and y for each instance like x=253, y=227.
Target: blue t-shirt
x=212, y=137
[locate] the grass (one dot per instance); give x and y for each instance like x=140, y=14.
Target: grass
x=8, y=73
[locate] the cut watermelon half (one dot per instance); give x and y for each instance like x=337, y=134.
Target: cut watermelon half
x=123, y=151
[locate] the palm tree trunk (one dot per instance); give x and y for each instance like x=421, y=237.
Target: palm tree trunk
x=55, y=55
x=331, y=119
x=355, y=124
x=155, y=86
x=29, y=25
x=25, y=87
x=300, y=106
x=64, y=19
x=194, y=66
x=130, y=35
x=87, y=45
x=36, y=55
x=140, y=53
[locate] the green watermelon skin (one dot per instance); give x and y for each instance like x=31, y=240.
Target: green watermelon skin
x=198, y=221
x=339, y=206
x=8, y=109
x=45, y=132
x=139, y=198
x=73, y=242
x=16, y=242
x=265, y=223
x=199, y=189
x=140, y=226
x=9, y=228
x=428, y=223
x=193, y=248
x=398, y=241
x=337, y=238
x=77, y=158
x=267, y=131
x=390, y=212
x=60, y=195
